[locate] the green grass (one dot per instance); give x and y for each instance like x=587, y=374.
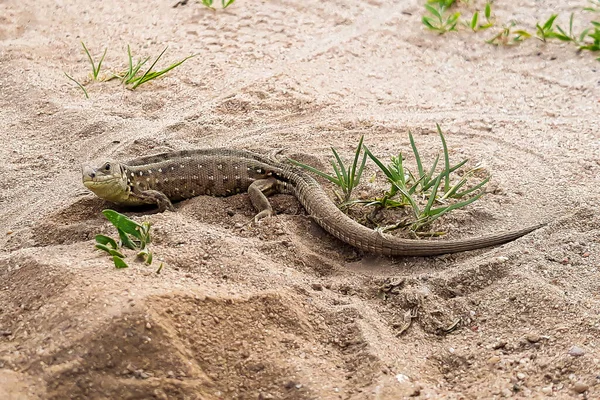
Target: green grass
x=132, y=235
x=224, y=3
x=434, y=187
x=595, y=6
x=438, y=20
x=441, y=18
x=475, y=25
x=427, y=194
x=87, y=96
x=346, y=178
x=95, y=68
x=133, y=76
x=509, y=36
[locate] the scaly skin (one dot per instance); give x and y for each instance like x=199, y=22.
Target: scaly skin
x=175, y=176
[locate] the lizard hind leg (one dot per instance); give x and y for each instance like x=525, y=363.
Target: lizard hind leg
x=258, y=192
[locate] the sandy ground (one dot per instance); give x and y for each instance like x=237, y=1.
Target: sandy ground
x=281, y=309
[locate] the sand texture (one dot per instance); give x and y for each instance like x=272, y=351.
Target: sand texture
x=280, y=309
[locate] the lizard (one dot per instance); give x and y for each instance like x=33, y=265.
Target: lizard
x=173, y=176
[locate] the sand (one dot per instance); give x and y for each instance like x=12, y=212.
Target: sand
x=281, y=309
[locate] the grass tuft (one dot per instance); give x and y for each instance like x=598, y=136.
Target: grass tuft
x=95, y=68
x=131, y=77
x=427, y=194
x=346, y=178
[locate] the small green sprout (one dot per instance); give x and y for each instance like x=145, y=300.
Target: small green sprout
x=595, y=36
x=546, y=31
x=208, y=3
x=132, y=235
x=507, y=36
x=95, y=68
x=345, y=178
x=224, y=3
x=570, y=37
x=474, y=24
x=132, y=77
x=439, y=21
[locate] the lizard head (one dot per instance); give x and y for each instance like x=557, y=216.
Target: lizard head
x=108, y=181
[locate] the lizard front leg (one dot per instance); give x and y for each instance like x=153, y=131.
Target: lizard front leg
x=154, y=197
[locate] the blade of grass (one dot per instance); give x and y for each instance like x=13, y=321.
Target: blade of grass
x=433, y=196
x=78, y=84
x=148, y=75
x=438, y=212
x=474, y=21
x=95, y=70
x=446, y=159
x=474, y=188
x=316, y=171
x=341, y=165
x=417, y=156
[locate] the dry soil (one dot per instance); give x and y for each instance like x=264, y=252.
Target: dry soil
x=281, y=309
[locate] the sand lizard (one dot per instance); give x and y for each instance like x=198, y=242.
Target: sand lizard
x=163, y=178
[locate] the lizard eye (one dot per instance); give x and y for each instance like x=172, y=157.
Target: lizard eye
x=107, y=167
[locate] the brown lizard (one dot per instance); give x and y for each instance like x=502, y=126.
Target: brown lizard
x=163, y=178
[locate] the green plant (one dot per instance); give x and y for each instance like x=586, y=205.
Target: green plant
x=208, y=3
x=132, y=77
x=224, y=3
x=424, y=185
x=474, y=24
x=132, y=235
x=78, y=84
x=595, y=36
x=509, y=36
x=95, y=68
x=570, y=37
x=420, y=192
x=546, y=31
x=345, y=178
x=595, y=6
x=439, y=21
